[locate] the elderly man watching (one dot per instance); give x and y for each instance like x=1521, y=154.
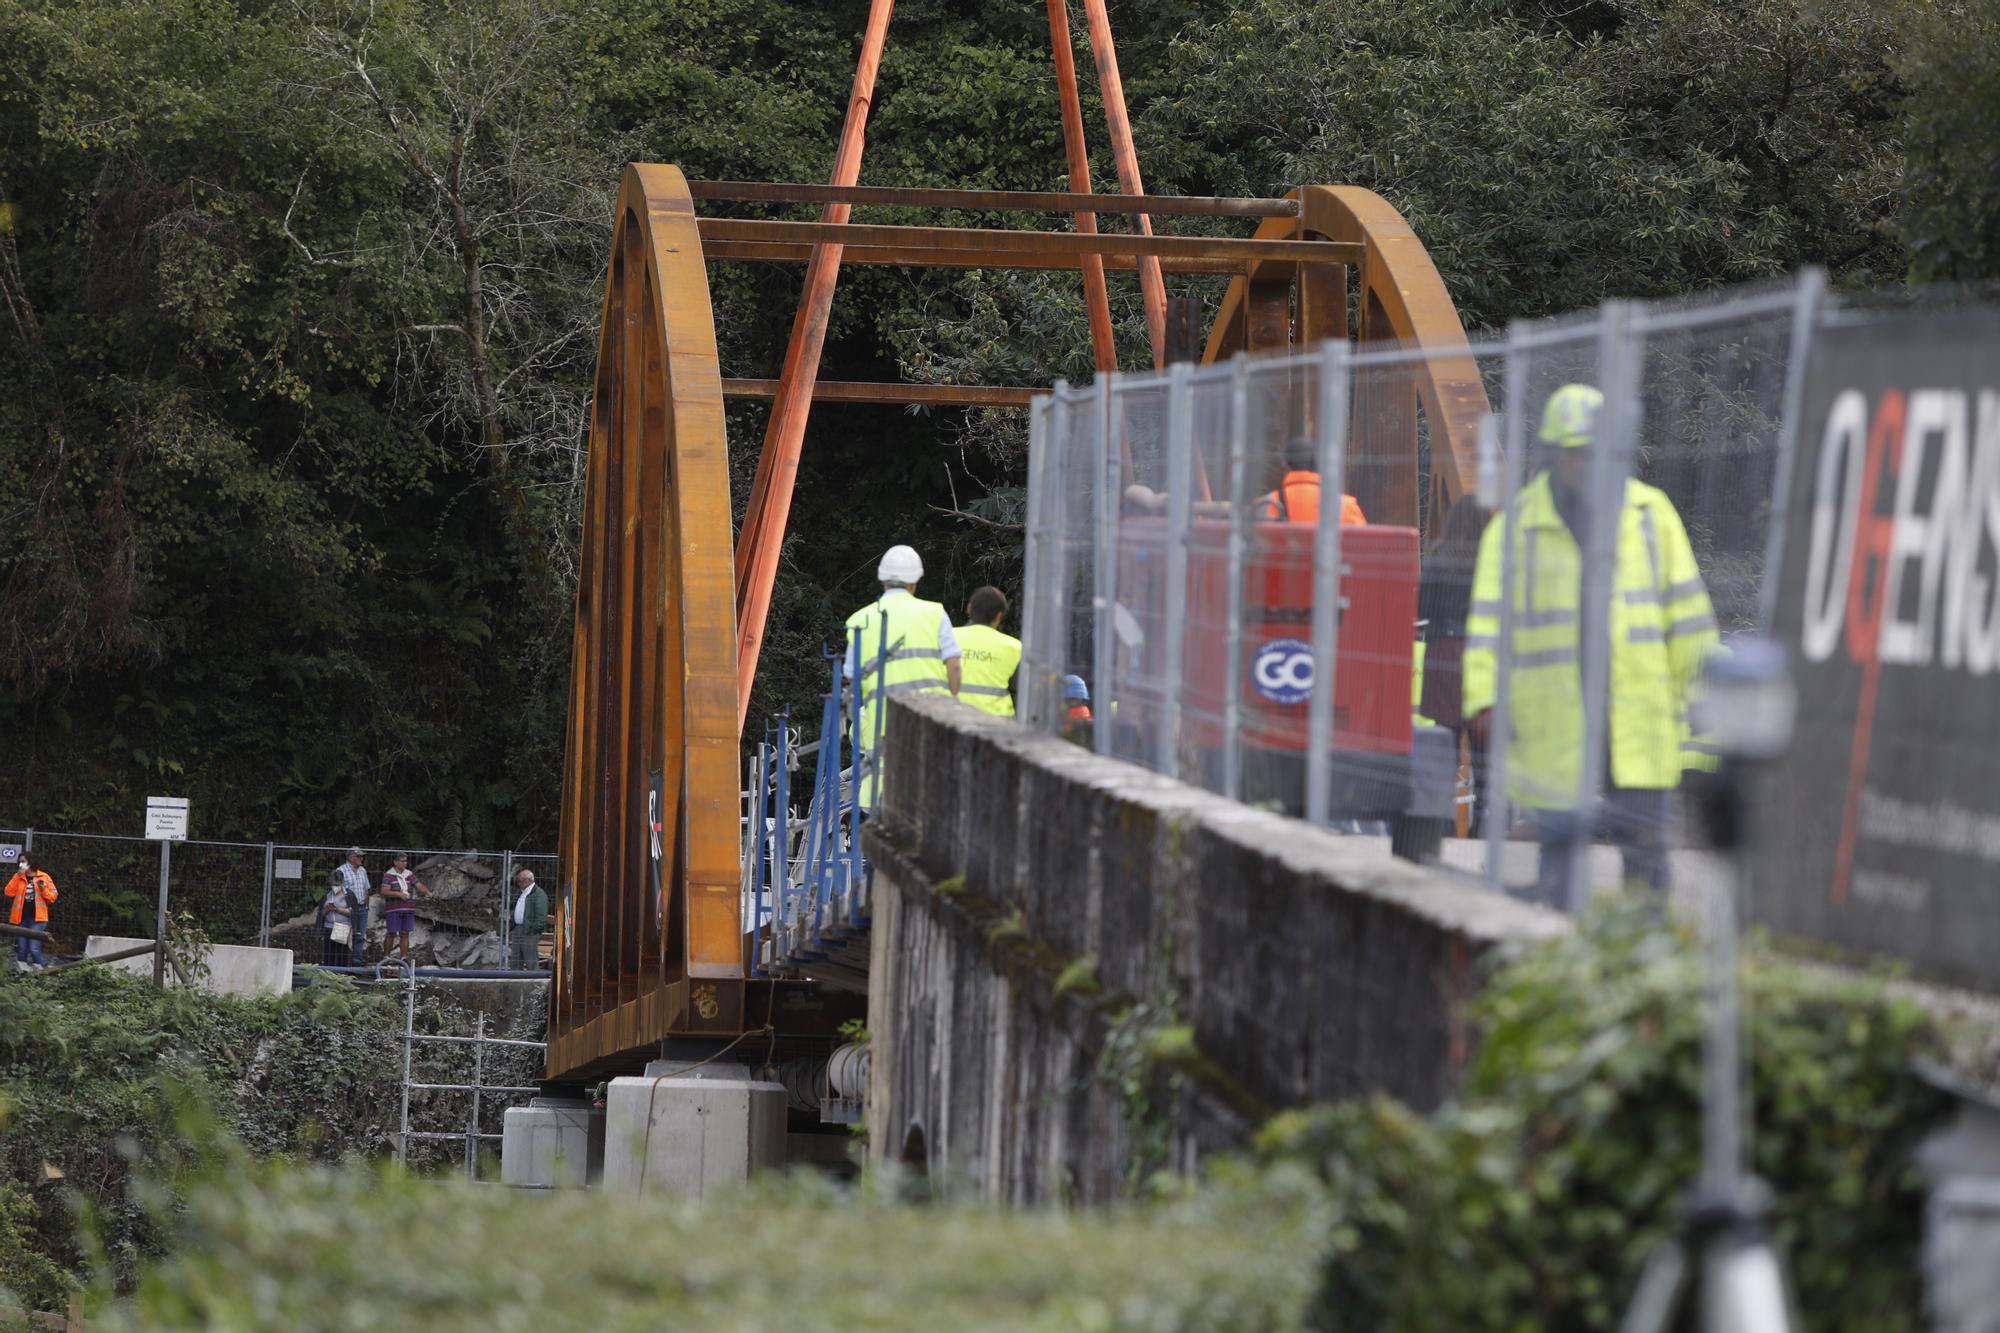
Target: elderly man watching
x=531, y=918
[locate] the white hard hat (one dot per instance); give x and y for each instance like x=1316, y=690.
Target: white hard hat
x=899, y=564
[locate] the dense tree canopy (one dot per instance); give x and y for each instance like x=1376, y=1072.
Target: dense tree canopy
x=300, y=306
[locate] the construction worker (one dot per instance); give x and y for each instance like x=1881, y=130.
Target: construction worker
x=989, y=658
x=29, y=886
x=1296, y=500
x=1660, y=625
x=1077, y=718
x=904, y=645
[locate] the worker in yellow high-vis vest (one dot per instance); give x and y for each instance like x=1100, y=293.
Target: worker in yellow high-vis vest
x=990, y=657
x=1661, y=627
x=896, y=644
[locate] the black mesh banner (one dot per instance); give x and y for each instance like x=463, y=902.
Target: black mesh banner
x=1881, y=833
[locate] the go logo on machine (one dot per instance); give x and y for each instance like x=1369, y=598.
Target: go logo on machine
x=1282, y=671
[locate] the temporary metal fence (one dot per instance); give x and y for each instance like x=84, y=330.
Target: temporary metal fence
x=269, y=893
x=1525, y=681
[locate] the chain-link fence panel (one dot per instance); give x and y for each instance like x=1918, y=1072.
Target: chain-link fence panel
x=458, y=913
x=109, y=885
x=460, y=909
x=1058, y=648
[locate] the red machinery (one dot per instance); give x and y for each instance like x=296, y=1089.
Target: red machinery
x=1371, y=734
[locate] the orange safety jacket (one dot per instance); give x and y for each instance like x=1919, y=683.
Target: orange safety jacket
x=1297, y=501
x=45, y=893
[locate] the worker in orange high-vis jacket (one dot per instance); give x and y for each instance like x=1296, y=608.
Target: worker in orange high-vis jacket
x=1295, y=501
x=29, y=895
x=1297, y=498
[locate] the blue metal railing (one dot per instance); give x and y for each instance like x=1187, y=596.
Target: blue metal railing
x=805, y=879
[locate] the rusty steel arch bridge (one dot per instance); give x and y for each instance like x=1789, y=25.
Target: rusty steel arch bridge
x=651, y=944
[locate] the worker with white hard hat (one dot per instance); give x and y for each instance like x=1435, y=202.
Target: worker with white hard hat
x=897, y=644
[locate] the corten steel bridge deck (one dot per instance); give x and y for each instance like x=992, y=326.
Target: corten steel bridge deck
x=651, y=944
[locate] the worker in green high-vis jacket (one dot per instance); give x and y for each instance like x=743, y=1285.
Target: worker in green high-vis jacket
x=1660, y=626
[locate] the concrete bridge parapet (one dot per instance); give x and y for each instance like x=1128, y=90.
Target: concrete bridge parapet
x=1081, y=969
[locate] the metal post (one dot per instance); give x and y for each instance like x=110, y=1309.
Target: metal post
x=781, y=858
x=1061, y=614
x=1104, y=555
x=1807, y=300
x=1723, y=1166
x=1239, y=474
x=1616, y=433
x=478, y=1077
x=160, y=918
x=1326, y=595
x=754, y=845
x=856, y=763
x=409, y=1043
x=506, y=901
x=264, y=912
x=1500, y=722
x=881, y=702
x=1180, y=500
x=27, y=840
x=1034, y=561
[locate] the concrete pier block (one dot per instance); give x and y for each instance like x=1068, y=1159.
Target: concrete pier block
x=552, y=1143
x=688, y=1133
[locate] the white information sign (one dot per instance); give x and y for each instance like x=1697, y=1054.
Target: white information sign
x=167, y=818
x=284, y=869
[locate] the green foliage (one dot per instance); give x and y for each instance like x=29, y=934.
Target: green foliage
x=1239, y=1257
x=1533, y=1200
x=1078, y=975
x=29, y=1279
x=1952, y=125
x=105, y=1076
x=1686, y=143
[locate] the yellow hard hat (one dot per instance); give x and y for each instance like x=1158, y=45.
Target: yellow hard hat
x=1569, y=421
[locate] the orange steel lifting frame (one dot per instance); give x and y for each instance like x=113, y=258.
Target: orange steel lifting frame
x=650, y=941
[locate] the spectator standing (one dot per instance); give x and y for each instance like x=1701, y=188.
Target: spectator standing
x=355, y=876
x=531, y=918
x=337, y=915
x=29, y=894
x=400, y=887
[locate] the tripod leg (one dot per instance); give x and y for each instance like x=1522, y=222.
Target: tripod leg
x=1744, y=1290
x=1662, y=1286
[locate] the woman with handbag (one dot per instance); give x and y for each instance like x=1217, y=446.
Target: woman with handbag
x=336, y=923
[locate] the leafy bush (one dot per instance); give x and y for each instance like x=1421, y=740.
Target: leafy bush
x=253, y=1251
x=1533, y=1201
x=99, y=1068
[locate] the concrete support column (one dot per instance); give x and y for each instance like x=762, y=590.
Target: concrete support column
x=686, y=1129
x=552, y=1143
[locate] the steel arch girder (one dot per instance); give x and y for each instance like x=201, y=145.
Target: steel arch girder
x=1403, y=302
x=653, y=669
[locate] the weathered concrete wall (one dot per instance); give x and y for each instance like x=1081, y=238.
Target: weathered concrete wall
x=1078, y=965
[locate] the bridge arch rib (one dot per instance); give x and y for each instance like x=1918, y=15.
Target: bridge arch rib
x=651, y=756
x=1399, y=302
